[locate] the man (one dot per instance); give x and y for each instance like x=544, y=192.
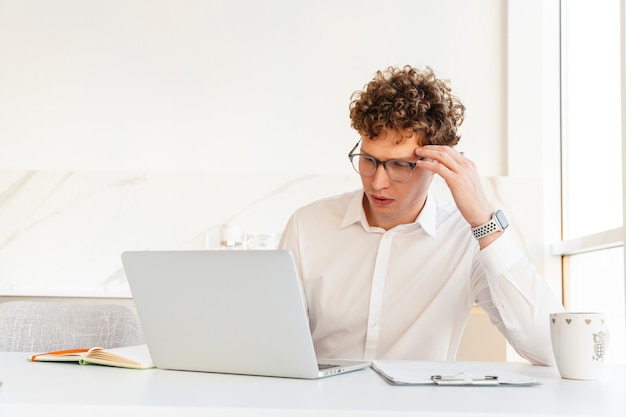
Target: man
x=389, y=272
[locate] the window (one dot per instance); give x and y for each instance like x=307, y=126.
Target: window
x=592, y=168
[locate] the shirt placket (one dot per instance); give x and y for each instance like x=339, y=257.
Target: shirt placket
x=376, y=296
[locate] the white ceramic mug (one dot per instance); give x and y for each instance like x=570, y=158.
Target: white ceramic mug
x=579, y=342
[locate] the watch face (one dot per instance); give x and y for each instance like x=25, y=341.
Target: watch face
x=502, y=219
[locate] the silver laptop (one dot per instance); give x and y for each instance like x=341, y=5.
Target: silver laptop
x=237, y=312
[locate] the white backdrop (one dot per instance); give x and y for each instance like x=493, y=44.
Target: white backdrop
x=229, y=86
x=224, y=110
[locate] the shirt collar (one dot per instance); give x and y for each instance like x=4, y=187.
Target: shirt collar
x=355, y=212
x=427, y=218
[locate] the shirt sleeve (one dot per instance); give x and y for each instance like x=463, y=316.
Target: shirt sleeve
x=516, y=298
x=289, y=242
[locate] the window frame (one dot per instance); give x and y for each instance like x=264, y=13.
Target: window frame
x=534, y=52
x=612, y=238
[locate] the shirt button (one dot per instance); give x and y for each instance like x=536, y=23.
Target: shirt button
x=373, y=324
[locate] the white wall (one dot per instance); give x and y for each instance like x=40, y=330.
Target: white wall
x=533, y=119
x=229, y=86
x=142, y=124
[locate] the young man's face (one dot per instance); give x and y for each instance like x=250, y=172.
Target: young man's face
x=388, y=203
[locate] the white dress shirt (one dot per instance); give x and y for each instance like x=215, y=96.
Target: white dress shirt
x=406, y=293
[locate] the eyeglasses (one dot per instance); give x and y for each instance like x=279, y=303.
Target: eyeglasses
x=366, y=166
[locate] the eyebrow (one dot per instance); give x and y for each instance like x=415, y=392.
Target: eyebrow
x=391, y=159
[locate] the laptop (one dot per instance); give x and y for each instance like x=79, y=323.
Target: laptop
x=235, y=312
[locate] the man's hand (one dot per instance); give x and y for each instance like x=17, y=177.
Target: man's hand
x=461, y=176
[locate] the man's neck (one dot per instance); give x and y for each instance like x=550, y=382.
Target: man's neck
x=389, y=222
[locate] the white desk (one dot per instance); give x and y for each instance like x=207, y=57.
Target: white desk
x=68, y=389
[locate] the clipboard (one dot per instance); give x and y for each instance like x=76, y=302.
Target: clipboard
x=464, y=378
x=398, y=372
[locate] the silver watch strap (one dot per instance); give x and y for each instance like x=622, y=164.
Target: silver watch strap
x=492, y=226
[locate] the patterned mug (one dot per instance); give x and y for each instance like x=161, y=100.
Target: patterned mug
x=579, y=342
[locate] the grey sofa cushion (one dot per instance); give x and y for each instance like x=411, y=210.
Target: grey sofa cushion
x=40, y=326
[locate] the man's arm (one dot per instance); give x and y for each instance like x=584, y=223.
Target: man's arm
x=516, y=298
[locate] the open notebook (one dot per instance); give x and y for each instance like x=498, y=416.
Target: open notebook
x=238, y=312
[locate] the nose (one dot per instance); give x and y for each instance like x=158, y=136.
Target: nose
x=380, y=180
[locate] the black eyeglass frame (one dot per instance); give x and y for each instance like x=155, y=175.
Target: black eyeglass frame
x=351, y=155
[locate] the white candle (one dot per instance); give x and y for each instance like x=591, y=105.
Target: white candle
x=231, y=236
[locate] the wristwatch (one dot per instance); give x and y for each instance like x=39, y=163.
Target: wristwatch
x=497, y=223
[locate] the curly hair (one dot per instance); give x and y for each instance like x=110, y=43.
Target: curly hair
x=408, y=99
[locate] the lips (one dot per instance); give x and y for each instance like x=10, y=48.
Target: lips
x=380, y=200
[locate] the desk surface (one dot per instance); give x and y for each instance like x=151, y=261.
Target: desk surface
x=69, y=389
